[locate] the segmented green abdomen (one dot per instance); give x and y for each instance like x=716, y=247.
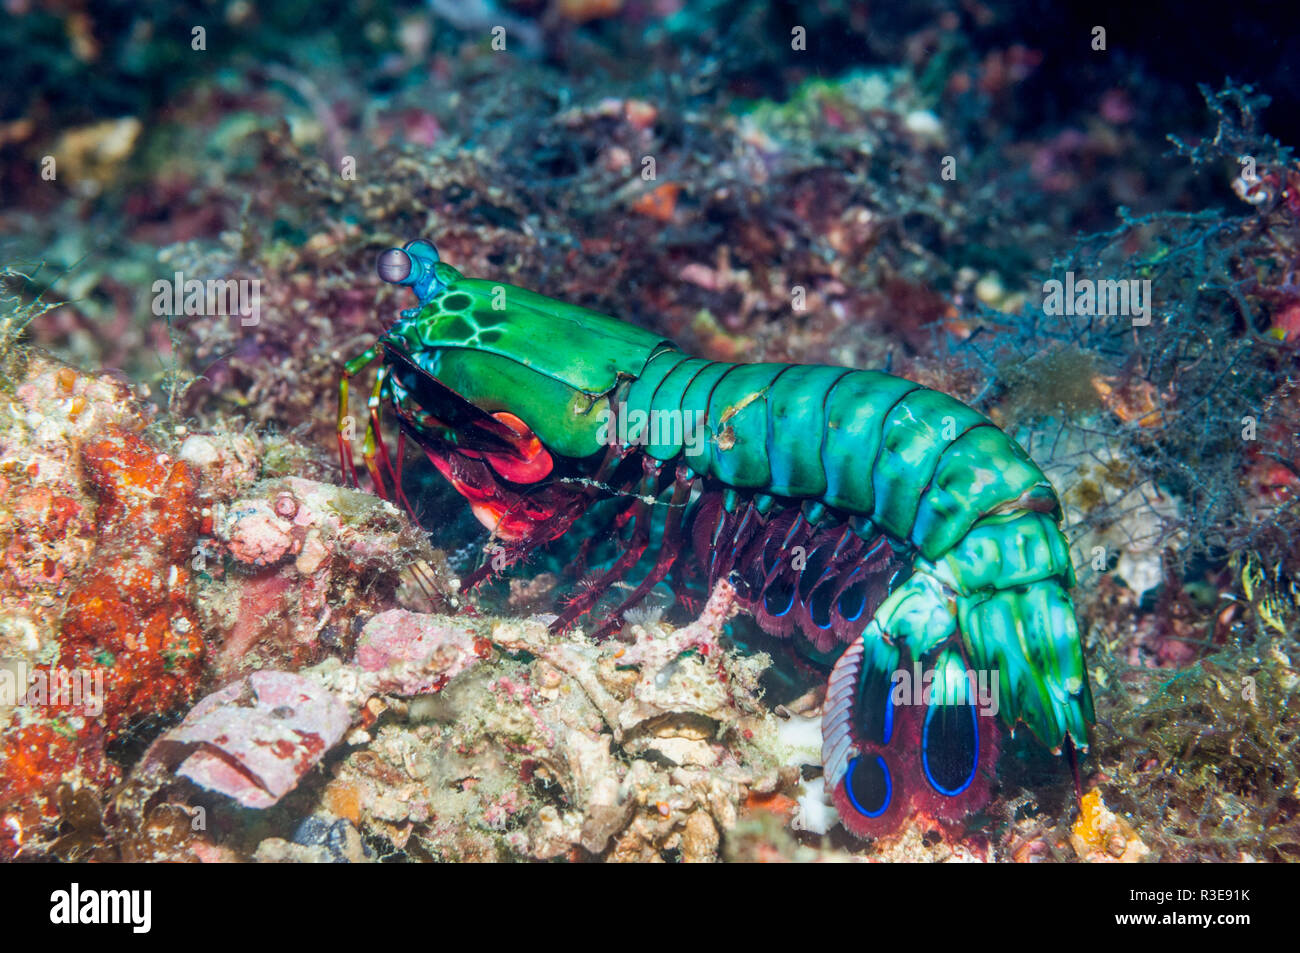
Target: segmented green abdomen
x=921, y=465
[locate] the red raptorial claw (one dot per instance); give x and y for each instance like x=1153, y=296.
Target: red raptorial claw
x=530, y=462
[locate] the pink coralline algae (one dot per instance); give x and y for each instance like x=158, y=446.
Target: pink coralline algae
x=260, y=735
x=257, y=737
x=298, y=553
x=411, y=654
x=309, y=520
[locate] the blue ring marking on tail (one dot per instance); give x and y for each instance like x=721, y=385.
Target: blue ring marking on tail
x=812, y=604
x=888, y=731
x=889, y=788
x=862, y=602
x=768, y=600
x=925, y=754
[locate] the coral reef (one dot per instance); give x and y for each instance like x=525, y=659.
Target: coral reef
x=297, y=551
x=97, y=533
x=130, y=611
x=537, y=747
x=211, y=651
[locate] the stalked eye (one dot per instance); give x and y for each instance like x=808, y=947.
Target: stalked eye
x=422, y=251
x=950, y=747
x=416, y=266
x=394, y=266
x=869, y=786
